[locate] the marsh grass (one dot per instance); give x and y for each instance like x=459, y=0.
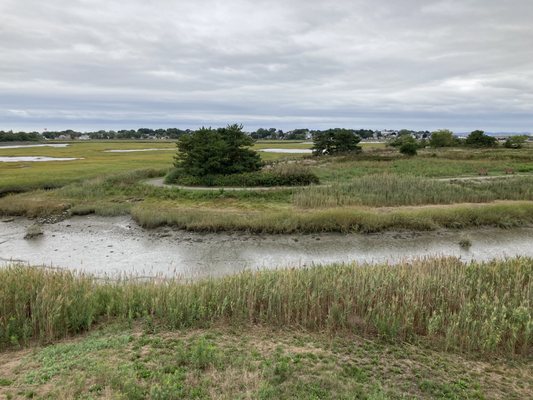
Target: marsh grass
x=382, y=190
x=482, y=307
x=347, y=219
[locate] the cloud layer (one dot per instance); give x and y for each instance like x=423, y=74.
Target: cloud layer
x=90, y=64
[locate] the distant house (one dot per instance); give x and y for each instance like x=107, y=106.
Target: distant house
x=84, y=137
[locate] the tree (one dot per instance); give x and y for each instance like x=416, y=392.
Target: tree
x=402, y=139
x=216, y=151
x=479, y=139
x=409, y=148
x=335, y=141
x=442, y=138
x=515, y=142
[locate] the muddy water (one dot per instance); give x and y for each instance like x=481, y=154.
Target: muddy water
x=117, y=245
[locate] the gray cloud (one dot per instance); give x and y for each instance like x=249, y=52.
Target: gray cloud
x=90, y=64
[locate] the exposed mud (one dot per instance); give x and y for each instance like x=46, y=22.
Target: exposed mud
x=117, y=245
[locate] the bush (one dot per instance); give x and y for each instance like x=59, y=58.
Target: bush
x=442, y=138
x=279, y=175
x=409, y=148
x=515, y=142
x=479, y=139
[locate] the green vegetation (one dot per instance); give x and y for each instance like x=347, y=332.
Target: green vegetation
x=409, y=148
x=515, y=142
x=479, y=139
x=146, y=361
x=433, y=328
x=222, y=151
x=479, y=307
x=274, y=175
x=112, y=183
x=19, y=136
x=335, y=141
x=390, y=190
x=442, y=138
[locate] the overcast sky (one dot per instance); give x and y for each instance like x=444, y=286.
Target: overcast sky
x=420, y=64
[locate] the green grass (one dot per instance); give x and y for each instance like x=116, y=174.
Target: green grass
x=480, y=307
x=145, y=361
x=348, y=219
x=393, y=190
x=24, y=176
x=354, y=188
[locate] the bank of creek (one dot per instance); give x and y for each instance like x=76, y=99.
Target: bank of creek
x=111, y=246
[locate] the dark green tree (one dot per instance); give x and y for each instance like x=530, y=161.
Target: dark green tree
x=335, y=141
x=221, y=151
x=479, y=139
x=442, y=138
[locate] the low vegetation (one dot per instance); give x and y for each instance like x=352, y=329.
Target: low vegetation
x=146, y=361
x=277, y=175
x=382, y=190
x=376, y=189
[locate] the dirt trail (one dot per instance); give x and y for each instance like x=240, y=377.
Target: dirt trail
x=159, y=182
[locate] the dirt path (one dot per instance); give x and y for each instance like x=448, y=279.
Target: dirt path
x=159, y=182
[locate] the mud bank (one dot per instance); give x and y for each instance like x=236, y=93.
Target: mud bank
x=111, y=246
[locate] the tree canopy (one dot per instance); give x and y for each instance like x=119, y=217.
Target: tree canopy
x=221, y=151
x=479, y=139
x=442, y=138
x=335, y=141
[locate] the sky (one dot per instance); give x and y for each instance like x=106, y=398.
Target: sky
x=389, y=64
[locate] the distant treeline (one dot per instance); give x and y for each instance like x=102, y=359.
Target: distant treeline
x=172, y=133
x=20, y=136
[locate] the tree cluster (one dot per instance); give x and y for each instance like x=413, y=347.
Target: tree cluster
x=20, y=136
x=335, y=141
x=222, y=151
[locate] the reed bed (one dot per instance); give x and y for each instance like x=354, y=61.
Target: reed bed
x=477, y=307
x=380, y=190
x=347, y=219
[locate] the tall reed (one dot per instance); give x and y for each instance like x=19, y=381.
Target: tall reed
x=395, y=190
x=485, y=307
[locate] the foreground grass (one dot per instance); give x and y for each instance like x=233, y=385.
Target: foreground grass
x=485, y=308
x=145, y=361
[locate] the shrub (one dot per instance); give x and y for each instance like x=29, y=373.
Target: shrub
x=442, y=138
x=279, y=175
x=409, y=148
x=515, y=142
x=479, y=139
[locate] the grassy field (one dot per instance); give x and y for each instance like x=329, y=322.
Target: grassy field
x=428, y=329
x=376, y=190
x=121, y=361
